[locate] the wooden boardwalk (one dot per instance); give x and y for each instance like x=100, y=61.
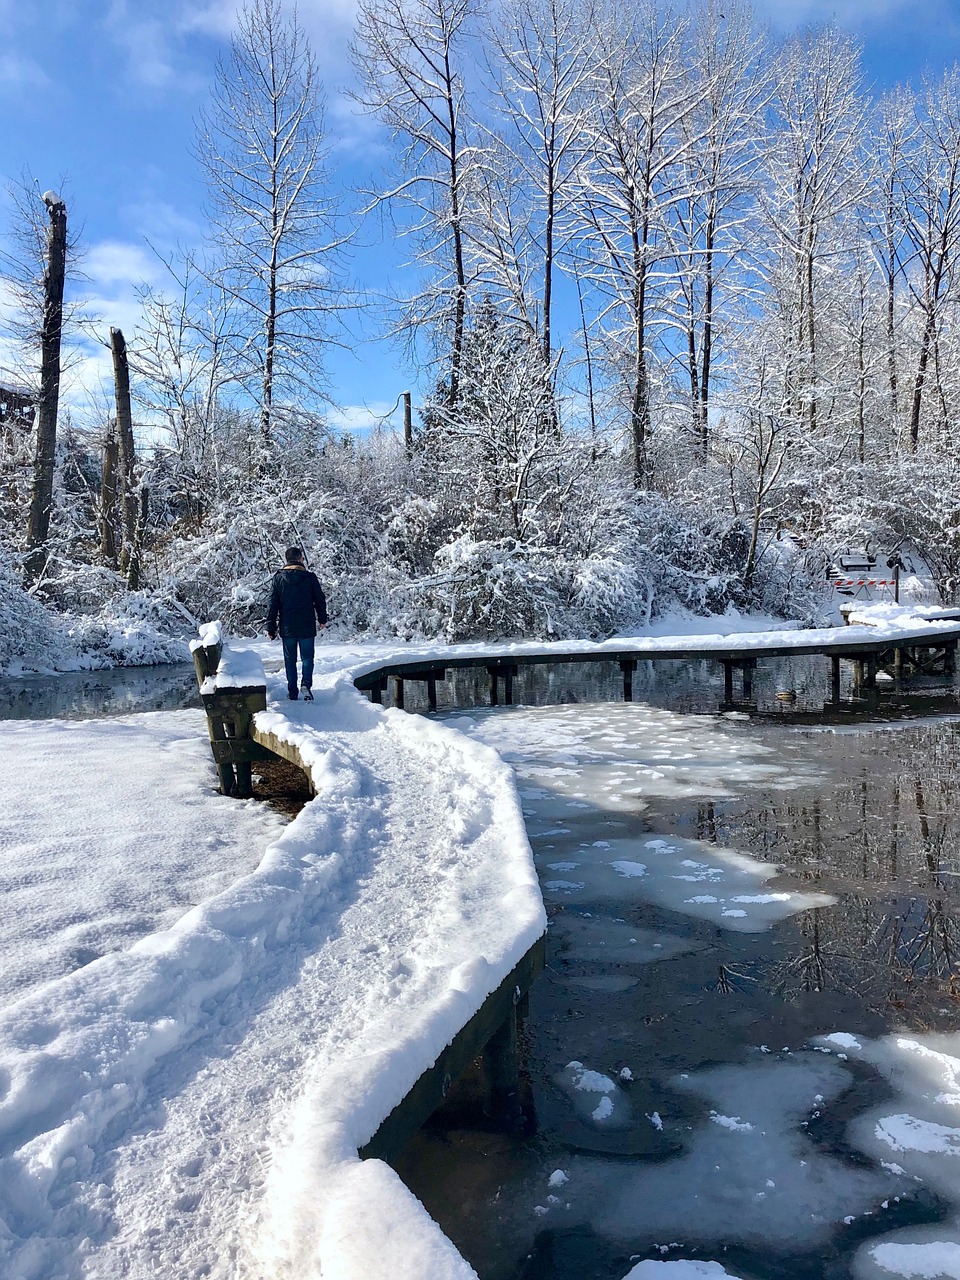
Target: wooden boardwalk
x=902, y=655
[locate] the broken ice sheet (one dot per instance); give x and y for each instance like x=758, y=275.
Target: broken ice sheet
x=596, y=1098
x=750, y=1137
x=679, y=1269
x=919, y=1133
x=597, y=938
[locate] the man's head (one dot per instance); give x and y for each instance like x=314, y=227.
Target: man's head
x=294, y=555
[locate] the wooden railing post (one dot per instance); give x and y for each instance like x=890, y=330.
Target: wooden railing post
x=230, y=706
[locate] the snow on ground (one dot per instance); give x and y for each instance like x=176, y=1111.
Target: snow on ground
x=109, y=831
x=193, y=1104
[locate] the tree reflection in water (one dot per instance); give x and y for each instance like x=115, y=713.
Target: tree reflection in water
x=885, y=839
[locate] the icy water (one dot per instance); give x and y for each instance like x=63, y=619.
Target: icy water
x=723, y=893
x=87, y=695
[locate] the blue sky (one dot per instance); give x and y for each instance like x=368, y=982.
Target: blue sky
x=100, y=96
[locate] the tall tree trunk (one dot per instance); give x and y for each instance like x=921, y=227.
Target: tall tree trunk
x=51, y=332
x=127, y=455
x=460, y=270
x=920, y=378
x=136, y=548
x=108, y=497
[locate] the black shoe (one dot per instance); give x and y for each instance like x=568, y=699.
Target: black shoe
x=307, y=694
x=293, y=696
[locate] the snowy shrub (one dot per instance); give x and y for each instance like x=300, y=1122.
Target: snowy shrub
x=131, y=629
x=31, y=638
x=488, y=589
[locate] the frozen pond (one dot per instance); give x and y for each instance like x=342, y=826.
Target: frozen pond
x=746, y=1046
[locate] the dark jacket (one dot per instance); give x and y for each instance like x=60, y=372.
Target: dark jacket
x=297, y=601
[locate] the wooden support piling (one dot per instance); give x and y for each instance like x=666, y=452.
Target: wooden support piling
x=501, y=1072
x=747, y=669
x=486, y=1027
x=835, y=679
x=398, y=692
x=505, y=671
x=627, y=667
x=727, y=682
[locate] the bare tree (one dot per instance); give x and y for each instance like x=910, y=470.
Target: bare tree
x=709, y=225
x=262, y=146
x=408, y=57
x=635, y=143
x=883, y=218
x=815, y=176
x=931, y=217
x=545, y=54
x=39, y=328
x=126, y=453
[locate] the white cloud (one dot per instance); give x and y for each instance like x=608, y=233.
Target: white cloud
x=163, y=225
x=21, y=73
x=111, y=262
x=364, y=417
x=215, y=18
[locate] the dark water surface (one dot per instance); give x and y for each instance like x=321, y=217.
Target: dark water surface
x=88, y=695
x=699, y=1013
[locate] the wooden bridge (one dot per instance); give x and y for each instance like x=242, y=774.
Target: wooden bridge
x=909, y=653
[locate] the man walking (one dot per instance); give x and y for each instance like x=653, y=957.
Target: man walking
x=297, y=609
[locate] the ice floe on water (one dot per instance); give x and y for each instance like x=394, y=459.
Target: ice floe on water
x=691, y=877
x=681, y=1269
x=585, y=938
x=595, y=1096
x=918, y=1133
x=750, y=1173
x=577, y=763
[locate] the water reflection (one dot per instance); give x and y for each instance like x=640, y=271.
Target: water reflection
x=86, y=695
x=782, y=686
x=675, y=1081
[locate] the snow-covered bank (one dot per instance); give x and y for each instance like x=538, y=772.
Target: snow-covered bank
x=110, y=830
x=195, y=1103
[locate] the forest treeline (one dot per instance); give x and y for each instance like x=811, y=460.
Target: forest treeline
x=684, y=298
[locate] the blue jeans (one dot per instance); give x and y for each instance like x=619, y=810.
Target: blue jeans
x=290, y=644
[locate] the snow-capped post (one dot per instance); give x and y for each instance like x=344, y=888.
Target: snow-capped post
x=48, y=401
x=233, y=688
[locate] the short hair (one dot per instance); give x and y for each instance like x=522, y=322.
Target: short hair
x=294, y=555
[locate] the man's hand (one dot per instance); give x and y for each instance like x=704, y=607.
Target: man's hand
x=272, y=635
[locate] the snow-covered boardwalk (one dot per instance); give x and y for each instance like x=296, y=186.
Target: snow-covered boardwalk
x=194, y=1104
x=876, y=634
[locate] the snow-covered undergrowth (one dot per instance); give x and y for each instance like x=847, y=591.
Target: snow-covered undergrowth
x=96, y=624
x=194, y=1104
